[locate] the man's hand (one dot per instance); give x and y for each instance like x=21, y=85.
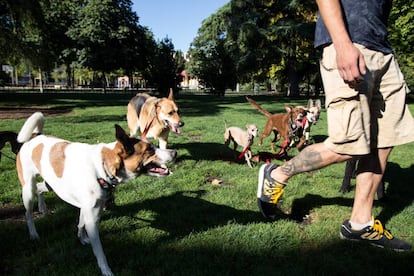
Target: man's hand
x=350, y=63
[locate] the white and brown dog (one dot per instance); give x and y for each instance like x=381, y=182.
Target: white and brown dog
x=155, y=115
x=81, y=174
x=313, y=111
x=243, y=138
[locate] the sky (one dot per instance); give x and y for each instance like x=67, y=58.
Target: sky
x=179, y=20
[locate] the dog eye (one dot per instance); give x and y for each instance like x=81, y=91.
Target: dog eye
x=171, y=113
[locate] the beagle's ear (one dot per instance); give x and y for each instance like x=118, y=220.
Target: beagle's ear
x=124, y=139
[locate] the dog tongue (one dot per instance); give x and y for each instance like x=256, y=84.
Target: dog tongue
x=158, y=170
x=175, y=129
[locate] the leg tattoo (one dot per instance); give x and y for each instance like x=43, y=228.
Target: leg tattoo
x=307, y=160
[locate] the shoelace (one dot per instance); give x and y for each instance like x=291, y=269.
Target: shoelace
x=380, y=230
x=274, y=192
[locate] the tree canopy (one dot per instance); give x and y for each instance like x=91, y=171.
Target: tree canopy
x=245, y=41
x=102, y=36
x=258, y=41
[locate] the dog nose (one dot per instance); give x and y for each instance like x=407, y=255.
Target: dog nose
x=180, y=123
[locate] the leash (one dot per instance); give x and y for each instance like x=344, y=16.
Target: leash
x=244, y=152
x=246, y=148
x=147, y=127
x=5, y=155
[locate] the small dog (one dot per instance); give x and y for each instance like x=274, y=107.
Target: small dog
x=81, y=174
x=282, y=124
x=156, y=115
x=313, y=112
x=243, y=138
x=10, y=137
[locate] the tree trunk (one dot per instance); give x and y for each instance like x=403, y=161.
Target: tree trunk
x=69, y=77
x=40, y=81
x=293, y=80
x=16, y=76
x=104, y=82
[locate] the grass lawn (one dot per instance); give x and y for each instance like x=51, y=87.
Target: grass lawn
x=184, y=225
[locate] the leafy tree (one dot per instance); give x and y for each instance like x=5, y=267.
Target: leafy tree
x=164, y=72
x=60, y=16
x=275, y=39
x=212, y=54
x=401, y=35
x=108, y=35
x=23, y=33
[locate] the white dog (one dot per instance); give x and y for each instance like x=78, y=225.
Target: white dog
x=243, y=138
x=81, y=174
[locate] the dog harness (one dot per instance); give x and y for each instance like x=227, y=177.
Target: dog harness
x=293, y=128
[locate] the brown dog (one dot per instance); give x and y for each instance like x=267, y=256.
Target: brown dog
x=10, y=137
x=282, y=124
x=154, y=116
x=243, y=138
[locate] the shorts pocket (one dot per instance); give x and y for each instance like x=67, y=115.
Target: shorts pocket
x=345, y=121
x=328, y=61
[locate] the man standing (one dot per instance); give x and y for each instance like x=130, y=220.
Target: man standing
x=366, y=108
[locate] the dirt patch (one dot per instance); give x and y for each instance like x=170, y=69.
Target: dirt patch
x=18, y=112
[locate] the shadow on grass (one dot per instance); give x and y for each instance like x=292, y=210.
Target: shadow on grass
x=399, y=195
x=207, y=151
x=96, y=118
x=400, y=191
x=184, y=213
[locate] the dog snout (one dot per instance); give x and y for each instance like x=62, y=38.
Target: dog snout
x=180, y=123
x=166, y=155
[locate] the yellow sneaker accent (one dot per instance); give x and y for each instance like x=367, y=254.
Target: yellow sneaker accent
x=273, y=193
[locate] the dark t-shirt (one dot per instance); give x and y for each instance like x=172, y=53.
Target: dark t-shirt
x=366, y=21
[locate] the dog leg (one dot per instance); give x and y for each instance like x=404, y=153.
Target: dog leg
x=266, y=132
x=275, y=139
x=90, y=218
x=82, y=235
x=248, y=156
x=28, y=192
x=162, y=143
x=41, y=204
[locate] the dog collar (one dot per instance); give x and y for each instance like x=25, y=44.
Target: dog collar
x=108, y=183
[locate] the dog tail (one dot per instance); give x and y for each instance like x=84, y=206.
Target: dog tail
x=33, y=125
x=258, y=107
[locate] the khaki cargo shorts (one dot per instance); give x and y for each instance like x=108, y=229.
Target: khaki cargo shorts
x=373, y=115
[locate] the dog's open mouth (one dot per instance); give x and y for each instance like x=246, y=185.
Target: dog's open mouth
x=156, y=170
x=175, y=128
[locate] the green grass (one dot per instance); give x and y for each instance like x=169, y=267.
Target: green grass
x=183, y=225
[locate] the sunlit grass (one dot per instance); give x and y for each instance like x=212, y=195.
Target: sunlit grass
x=184, y=225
